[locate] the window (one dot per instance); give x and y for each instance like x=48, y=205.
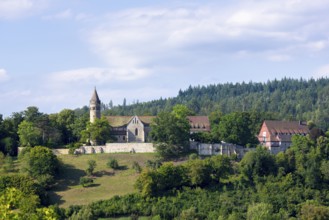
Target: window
x=136, y=132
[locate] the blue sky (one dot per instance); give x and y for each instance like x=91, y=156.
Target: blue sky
x=53, y=52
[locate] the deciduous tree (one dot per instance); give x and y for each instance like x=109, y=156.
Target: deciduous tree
x=98, y=132
x=170, y=132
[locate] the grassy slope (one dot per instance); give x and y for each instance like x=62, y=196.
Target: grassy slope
x=107, y=182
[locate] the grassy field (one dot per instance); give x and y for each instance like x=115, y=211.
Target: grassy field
x=107, y=182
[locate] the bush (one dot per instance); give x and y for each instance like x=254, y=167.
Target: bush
x=2, y=158
x=91, y=167
x=73, y=146
x=193, y=156
x=85, y=181
x=137, y=167
x=6, y=163
x=153, y=164
x=113, y=163
x=46, y=181
x=39, y=161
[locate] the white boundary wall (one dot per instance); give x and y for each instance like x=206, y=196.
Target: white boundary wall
x=221, y=149
x=108, y=148
x=117, y=148
x=202, y=148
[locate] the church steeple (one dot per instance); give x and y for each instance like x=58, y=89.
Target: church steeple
x=95, y=106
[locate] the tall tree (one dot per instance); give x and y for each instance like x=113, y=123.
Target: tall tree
x=237, y=128
x=182, y=111
x=98, y=132
x=29, y=135
x=66, y=119
x=40, y=163
x=170, y=132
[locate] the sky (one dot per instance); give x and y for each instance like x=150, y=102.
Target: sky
x=54, y=52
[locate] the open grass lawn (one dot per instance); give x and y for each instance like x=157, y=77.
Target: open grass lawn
x=107, y=182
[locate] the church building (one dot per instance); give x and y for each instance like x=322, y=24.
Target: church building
x=137, y=128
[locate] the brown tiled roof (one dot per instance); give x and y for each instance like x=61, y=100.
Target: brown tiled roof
x=286, y=127
x=146, y=119
x=283, y=130
x=118, y=121
x=199, y=123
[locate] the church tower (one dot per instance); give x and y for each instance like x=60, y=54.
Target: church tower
x=95, y=106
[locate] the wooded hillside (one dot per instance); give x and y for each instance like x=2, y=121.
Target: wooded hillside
x=296, y=99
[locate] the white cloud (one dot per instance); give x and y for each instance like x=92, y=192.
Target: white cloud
x=317, y=45
x=97, y=75
x=3, y=75
x=322, y=71
x=11, y=9
x=275, y=30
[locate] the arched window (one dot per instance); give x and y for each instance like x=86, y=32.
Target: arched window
x=136, y=132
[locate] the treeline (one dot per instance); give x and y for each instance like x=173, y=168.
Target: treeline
x=31, y=127
x=291, y=185
x=286, y=99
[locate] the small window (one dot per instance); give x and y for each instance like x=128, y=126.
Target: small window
x=136, y=132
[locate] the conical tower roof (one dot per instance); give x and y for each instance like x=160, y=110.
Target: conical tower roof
x=94, y=97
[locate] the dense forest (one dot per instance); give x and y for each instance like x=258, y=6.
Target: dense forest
x=285, y=99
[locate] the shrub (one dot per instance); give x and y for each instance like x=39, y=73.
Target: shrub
x=137, y=167
x=91, y=167
x=113, y=163
x=153, y=164
x=193, y=156
x=85, y=181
